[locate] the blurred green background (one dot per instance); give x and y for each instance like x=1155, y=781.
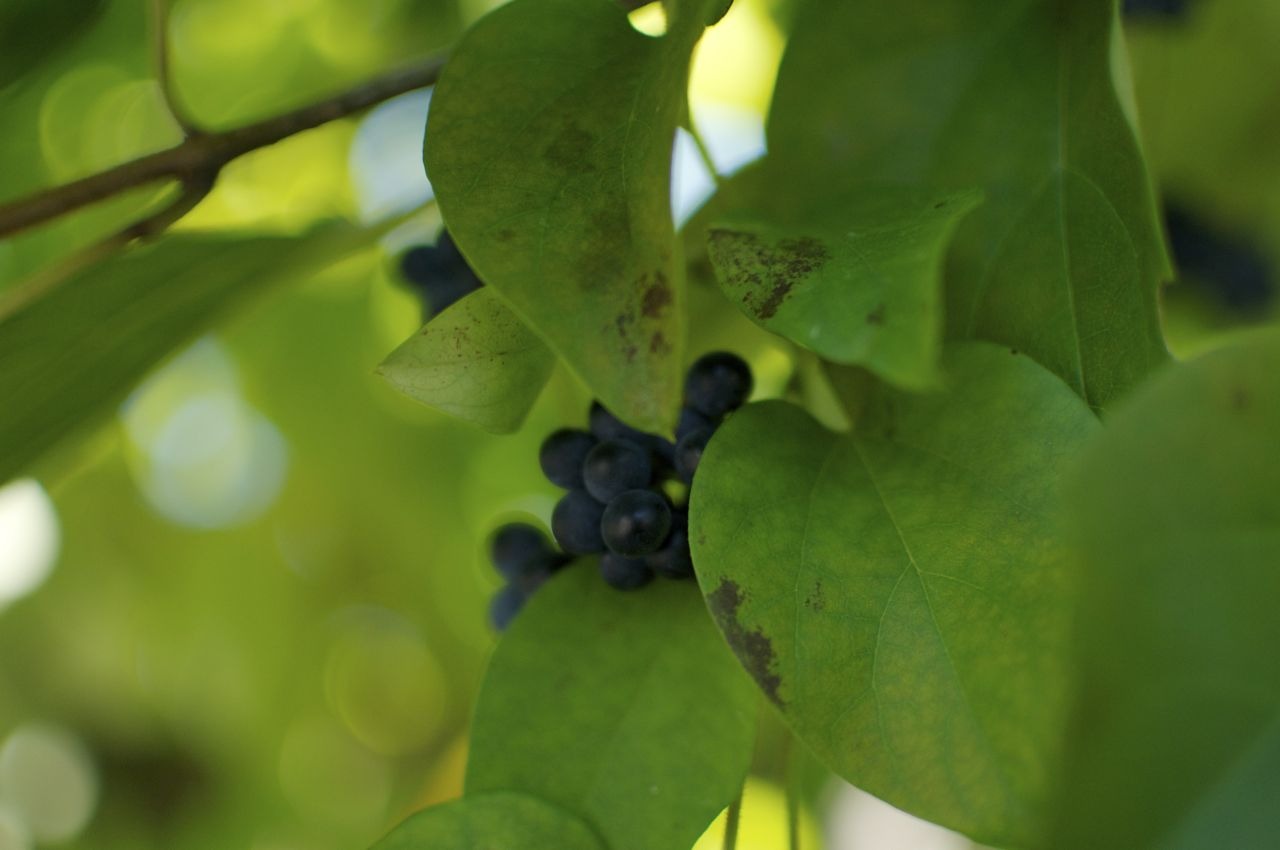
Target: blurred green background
x=250, y=612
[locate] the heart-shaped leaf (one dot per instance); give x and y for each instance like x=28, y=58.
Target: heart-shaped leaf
x=475, y=361
x=549, y=147
x=623, y=708
x=900, y=592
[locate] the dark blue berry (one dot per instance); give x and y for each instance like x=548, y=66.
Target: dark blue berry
x=562, y=457
x=504, y=606
x=1233, y=270
x=614, y=466
x=673, y=560
x=635, y=523
x=519, y=549
x=692, y=420
x=575, y=522
x=606, y=426
x=689, y=453
x=439, y=273
x=718, y=383
x=624, y=573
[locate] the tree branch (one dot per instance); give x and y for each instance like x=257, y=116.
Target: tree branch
x=200, y=157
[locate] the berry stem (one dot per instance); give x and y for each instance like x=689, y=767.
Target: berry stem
x=731, y=821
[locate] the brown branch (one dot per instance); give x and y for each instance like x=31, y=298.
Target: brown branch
x=201, y=157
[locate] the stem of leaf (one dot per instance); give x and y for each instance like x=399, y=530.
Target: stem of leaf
x=731, y=821
x=163, y=68
x=793, y=794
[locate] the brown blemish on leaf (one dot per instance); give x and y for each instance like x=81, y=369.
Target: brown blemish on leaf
x=568, y=150
x=876, y=316
x=658, y=343
x=656, y=298
x=765, y=273
x=753, y=647
x=1240, y=399
x=816, y=600
x=505, y=235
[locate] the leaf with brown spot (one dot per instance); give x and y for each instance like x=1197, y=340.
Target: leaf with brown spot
x=549, y=147
x=901, y=591
x=856, y=279
x=475, y=361
x=1024, y=100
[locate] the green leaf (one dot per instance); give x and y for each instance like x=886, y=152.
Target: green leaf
x=900, y=593
x=856, y=280
x=67, y=358
x=1015, y=97
x=33, y=31
x=502, y=821
x=475, y=361
x=1177, y=518
x=549, y=147
x=624, y=709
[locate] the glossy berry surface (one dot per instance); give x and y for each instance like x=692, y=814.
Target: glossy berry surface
x=718, y=383
x=562, y=457
x=519, y=549
x=689, y=453
x=635, y=523
x=615, y=466
x=504, y=606
x=624, y=573
x=575, y=522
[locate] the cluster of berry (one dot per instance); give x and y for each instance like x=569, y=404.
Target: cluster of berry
x=438, y=273
x=625, y=501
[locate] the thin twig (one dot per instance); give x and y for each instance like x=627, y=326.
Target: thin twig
x=164, y=68
x=49, y=279
x=202, y=155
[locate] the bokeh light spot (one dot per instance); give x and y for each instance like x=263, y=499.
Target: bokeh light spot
x=29, y=538
x=330, y=778
x=48, y=780
x=384, y=682
x=202, y=456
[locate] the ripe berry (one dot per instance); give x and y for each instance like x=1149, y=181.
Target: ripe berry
x=692, y=420
x=562, y=456
x=673, y=560
x=421, y=263
x=635, y=523
x=624, y=573
x=439, y=273
x=504, y=606
x=614, y=466
x=519, y=549
x=718, y=383
x=689, y=453
x=575, y=522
